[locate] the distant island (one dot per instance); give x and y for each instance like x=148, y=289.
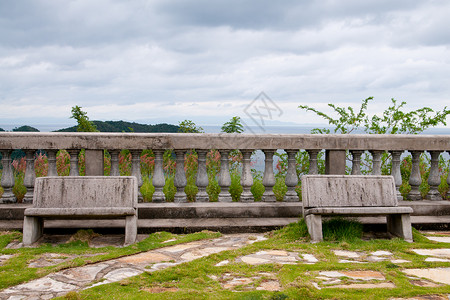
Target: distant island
x=111, y=126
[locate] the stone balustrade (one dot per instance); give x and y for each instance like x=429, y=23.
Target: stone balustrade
x=335, y=146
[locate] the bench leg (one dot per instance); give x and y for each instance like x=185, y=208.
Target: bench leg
x=32, y=229
x=314, y=224
x=130, y=230
x=400, y=225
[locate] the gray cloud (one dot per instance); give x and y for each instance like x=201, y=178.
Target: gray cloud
x=142, y=59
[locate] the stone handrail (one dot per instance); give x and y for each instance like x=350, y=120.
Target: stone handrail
x=335, y=145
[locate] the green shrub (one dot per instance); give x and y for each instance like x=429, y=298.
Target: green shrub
x=213, y=189
x=169, y=189
x=235, y=187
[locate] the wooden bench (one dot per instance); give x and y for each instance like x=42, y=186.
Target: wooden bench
x=353, y=195
x=82, y=197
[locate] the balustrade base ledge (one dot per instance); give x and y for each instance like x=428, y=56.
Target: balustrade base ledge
x=222, y=216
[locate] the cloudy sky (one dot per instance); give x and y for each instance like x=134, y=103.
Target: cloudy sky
x=156, y=61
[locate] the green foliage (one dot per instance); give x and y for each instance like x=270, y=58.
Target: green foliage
x=393, y=120
x=19, y=190
x=235, y=187
x=188, y=126
x=213, y=189
x=123, y=126
x=169, y=189
x=280, y=188
x=233, y=126
x=25, y=128
x=84, y=125
x=257, y=189
x=347, y=121
x=147, y=189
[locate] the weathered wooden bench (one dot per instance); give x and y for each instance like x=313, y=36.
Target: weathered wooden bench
x=82, y=197
x=353, y=195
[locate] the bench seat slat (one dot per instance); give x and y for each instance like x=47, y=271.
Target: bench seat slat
x=91, y=211
x=358, y=210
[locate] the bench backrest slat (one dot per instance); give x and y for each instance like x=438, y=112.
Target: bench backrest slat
x=85, y=191
x=348, y=191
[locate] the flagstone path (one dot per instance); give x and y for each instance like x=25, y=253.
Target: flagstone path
x=62, y=282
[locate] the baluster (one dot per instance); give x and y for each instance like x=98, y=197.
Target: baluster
x=291, y=177
x=356, y=161
x=376, y=162
x=246, y=178
x=202, y=177
x=180, y=177
x=415, y=180
x=158, y=177
x=30, y=177
x=268, y=178
x=115, y=162
x=434, y=179
x=224, y=177
x=74, y=162
x=395, y=172
x=136, y=170
x=7, y=181
x=313, y=168
x=51, y=158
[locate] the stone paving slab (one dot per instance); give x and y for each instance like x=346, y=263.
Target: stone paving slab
x=441, y=275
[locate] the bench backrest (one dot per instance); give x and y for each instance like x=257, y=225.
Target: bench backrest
x=85, y=191
x=348, y=190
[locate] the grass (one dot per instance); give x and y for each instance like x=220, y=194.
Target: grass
x=201, y=279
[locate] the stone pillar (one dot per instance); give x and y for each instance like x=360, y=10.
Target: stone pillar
x=94, y=163
x=136, y=170
x=114, y=162
x=291, y=177
x=51, y=158
x=74, y=162
x=269, y=178
x=30, y=177
x=224, y=177
x=434, y=179
x=376, y=162
x=246, y=178
x=356, y=162
x=395, y=172
x=415, y=180
x=7, y=181
x=335, y=162
x=158, y=179
x=202, y=177
x=180, y=177
x=313, y=167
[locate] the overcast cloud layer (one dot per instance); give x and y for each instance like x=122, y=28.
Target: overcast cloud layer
x=166, y=61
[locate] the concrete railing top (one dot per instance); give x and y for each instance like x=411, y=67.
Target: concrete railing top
x=82, y=140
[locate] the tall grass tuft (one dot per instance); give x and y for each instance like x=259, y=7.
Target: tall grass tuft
x=341, y=229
